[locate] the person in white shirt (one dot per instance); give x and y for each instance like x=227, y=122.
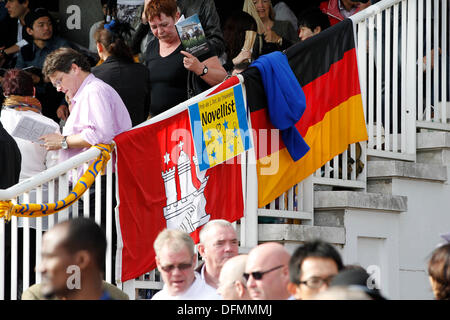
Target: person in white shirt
x=175, y=260
x=218, y=243
x=232, y=284
x=19, y=103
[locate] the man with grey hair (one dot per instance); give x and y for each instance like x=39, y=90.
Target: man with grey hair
x=232, y=284
x=175, y=260
x=218, y=243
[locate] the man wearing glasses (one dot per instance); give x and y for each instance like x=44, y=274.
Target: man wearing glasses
x=267, y=272
x=175, y=260
x=312, y=267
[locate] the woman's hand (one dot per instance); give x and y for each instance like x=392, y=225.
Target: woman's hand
x=244, y=55
x=191, y=63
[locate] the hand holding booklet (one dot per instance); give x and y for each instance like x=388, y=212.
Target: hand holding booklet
x=192, y=35
x=30, y=128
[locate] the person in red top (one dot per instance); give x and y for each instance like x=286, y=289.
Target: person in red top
x=338, y=10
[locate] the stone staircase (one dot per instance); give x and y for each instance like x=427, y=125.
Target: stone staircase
x=396, y=222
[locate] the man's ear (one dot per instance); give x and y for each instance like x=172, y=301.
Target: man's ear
x=157, y=263
x=201, y=249
x=29, y=31
x=83, y=259
x=240, y=287
x=317, y=30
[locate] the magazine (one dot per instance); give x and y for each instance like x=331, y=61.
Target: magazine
x=192, y=35
x=30, y=128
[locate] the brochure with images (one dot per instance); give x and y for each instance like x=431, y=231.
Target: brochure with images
x=192, y=35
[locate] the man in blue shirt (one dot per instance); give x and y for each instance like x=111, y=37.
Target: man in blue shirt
x=39, y=25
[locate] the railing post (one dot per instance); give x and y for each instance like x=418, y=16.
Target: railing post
x=129, y=288
x=411, y=76
x=250, y=238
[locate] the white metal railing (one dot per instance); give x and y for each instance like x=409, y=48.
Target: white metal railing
x=57, y=181
x=400, y=91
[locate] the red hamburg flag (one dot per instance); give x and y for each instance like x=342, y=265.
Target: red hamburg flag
x=160, y=186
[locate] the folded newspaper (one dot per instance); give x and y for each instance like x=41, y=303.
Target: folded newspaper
x=31, y=128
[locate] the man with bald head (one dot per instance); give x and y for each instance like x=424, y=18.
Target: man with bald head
x=267, y=272
x=218, y=243
x=232, y=284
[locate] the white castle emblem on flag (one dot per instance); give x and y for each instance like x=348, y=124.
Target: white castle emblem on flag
x=189, y=212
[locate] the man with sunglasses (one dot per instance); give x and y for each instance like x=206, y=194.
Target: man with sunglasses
x=175, y=260
x=267, y=272
x=312, y=267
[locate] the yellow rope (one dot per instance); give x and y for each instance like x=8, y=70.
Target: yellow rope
x=32, y=210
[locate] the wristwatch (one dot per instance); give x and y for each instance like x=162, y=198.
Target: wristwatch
x=64, y=144
x=205, y=71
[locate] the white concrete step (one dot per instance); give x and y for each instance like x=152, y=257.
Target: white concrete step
x=330, y=207
x=380, y=174
x=433, y=147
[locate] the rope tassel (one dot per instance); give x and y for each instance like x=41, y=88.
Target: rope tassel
x=33, y=210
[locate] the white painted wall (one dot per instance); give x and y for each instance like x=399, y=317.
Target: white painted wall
x=372, y=240
x=428, y=216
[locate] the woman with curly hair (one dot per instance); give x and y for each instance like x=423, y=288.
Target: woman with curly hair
x=439, y=272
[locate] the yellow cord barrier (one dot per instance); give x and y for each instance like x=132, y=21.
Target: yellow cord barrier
x=32, y=210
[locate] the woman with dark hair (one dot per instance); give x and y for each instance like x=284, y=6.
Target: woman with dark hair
x=234, y=33
x=169, y=65
x=439, y=272
x=20, y=103
x=131, y=80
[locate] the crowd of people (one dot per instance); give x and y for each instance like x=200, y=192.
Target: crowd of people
x=140, y=72
x=92, y=100
x=314, y=271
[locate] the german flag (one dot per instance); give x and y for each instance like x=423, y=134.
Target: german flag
x=326, y=69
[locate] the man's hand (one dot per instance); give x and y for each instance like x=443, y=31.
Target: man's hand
x=62, y=112
x=52, y=141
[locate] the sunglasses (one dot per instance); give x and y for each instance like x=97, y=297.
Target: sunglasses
x=181, y=267
x=258, y=275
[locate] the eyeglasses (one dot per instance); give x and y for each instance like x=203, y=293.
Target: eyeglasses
x=257, y=275
x=317, y=282
x=181, y=267
x=57, y=83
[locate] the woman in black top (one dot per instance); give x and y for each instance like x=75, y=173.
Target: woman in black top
x=169, y=64
x=131, y=80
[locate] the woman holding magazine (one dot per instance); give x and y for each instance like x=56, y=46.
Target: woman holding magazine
x=170, y=65
x=20, y=106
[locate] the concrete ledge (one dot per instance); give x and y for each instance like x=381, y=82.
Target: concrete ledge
x=328, y=200
x=433, y=140
x=402, y=169
x=300, y=233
